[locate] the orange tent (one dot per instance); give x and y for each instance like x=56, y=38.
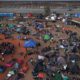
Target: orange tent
x=66, y=28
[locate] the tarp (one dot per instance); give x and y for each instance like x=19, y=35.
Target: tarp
x=30, y=44
x=7, y=14
x=77, y=15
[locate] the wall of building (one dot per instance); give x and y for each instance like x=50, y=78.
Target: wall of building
x=36, y=6
x=38, y=3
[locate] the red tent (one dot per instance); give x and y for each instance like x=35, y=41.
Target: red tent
x=41, y=75
x=20, y=61
x=29, y=14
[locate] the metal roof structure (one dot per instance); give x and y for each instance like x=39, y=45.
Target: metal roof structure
x=40, y=0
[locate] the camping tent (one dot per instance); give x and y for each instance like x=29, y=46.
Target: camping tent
x=46, y=37
x=39, y=26
x=66, y=28
x=58, y=76
x=19, y=25
x=2, y=69
x=10, y=26
x=41, y=75
x=65, y=77
x=1, y=25
x=30, y=44
x=18, y=30
x=29, y=15
x=40, y=16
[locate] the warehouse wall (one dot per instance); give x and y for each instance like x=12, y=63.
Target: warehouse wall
x=35, y=10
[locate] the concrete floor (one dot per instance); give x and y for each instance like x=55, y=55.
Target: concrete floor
x=28, y=75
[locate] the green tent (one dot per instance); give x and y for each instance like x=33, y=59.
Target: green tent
x=28, y=52
x=46, y=37
x=66, y=78
x=57, y=76
x=10, y=26
x=1, y=25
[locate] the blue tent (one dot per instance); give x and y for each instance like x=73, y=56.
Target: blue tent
x=2, y=69
x=18, y=30
x=30, y=44
x=18, y=37
x=34, y=22
x=39, y=26
x=40, y=16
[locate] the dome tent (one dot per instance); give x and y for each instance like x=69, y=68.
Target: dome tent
x=30, y=43
x=2, y=68
x=46, y=37
x=10, y=26
x=1, y=25
x=39, y=26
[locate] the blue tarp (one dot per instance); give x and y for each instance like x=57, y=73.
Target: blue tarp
x=77, y=15
x=7, y=14
x=30, y=44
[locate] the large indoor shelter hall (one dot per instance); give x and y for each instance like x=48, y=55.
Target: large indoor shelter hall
x=39, y=39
